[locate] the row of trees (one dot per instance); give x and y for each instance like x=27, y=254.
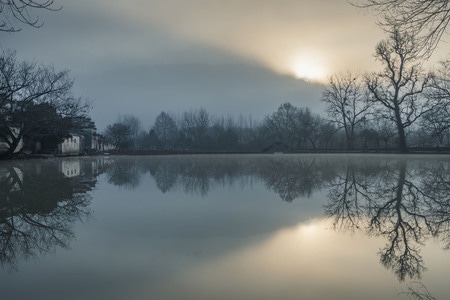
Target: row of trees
x=36, y=103
x=195, y=130
x=400, y=106
x=401, y=95
x=289, y=129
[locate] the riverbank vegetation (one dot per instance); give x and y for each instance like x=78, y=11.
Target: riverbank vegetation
x=401, y=108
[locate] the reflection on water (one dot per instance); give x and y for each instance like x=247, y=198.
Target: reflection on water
x=289, y=178
x=39, y=202
x=393, y=206
x=405, y=202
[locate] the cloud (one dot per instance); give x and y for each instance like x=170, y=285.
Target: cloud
x=274, y=33
x=224, y=89
x=236, y=56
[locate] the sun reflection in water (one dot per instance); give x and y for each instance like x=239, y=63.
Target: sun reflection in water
x=309, y=229
x=294, y=261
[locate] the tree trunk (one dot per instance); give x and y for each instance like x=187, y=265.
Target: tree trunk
x=403, y=147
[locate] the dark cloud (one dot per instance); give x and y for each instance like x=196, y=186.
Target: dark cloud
x=225, y=89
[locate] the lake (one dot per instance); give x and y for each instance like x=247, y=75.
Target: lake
x=272, y=226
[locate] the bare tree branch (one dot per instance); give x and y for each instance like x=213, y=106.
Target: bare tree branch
x=427, y=20
x=22, y=11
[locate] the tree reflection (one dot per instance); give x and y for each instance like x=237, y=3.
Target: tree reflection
x=193, y=175
x=295, y=178
x=124, y=173
x=287, y=176
x=348, y=193
x=165, y=175
x=407, y=202
x=39, y=203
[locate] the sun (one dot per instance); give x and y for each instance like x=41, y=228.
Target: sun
x=309, y=70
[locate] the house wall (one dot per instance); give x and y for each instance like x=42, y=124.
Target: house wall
x=71, y=146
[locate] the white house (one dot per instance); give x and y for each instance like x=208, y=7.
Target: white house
x=73, y=145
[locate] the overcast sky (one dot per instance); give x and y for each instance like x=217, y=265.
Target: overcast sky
x=230, y=57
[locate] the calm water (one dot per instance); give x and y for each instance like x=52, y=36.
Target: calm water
x=226, y=227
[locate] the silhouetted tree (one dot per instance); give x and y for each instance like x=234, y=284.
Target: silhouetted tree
x=119, y=135
x=29, y=91
x=134, y=126
x=280, y=127
x=308, y=128
x=291, y=128
x=346, y=103
x=166, y=130
x=399, y=88
x=194, y=127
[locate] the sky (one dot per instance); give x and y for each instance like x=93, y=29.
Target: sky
x=230, y=57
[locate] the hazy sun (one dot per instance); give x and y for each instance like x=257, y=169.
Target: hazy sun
x=309, y=70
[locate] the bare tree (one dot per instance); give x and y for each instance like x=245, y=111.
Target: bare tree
x=194, y=126
x=22, y=11
x=308, y=127
x=166, y=129
x=346, y=103
x=425, y=19
x=291, y=128
x=119, y=135
x=399, y=88
x=437, y=122
x=27, y=91
x=280, y=127
x=134, y=127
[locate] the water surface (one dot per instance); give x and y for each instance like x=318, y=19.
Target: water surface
x=226, y=227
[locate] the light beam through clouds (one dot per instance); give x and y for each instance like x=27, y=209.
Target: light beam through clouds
x=286, y=35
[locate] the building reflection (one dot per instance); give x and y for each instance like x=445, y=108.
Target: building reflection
x=39, y=202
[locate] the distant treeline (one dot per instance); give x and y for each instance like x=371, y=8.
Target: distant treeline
x=399, y=108
x=289, y=129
